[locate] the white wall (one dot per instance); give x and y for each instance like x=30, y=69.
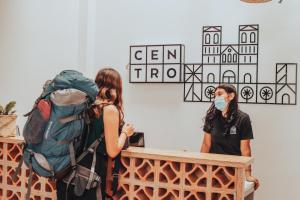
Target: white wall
x=159, y=110
x=40, y=38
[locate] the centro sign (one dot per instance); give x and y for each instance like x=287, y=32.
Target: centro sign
x=156, y=63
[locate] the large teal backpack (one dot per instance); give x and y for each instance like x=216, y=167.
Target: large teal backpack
x=54, y=129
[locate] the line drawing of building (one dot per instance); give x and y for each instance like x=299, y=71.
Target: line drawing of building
x=235, y=64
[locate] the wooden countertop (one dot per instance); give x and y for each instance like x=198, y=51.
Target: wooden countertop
x=188, y=156
x=174, y=155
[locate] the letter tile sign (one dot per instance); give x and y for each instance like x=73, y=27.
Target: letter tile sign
x=156, y=63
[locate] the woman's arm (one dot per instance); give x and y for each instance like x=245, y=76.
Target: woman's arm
x=246, y=151
x=205, y=148
x=114, y=142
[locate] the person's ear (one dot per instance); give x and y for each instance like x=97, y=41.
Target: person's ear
x=231, y=96
x=108, y=94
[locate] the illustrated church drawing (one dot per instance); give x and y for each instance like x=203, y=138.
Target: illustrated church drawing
x=236, y=64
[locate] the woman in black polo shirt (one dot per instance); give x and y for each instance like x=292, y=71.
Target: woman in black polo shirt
x=228, y=130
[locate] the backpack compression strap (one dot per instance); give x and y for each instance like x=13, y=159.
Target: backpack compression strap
x=88, y=186
x=30, y=176
x=73, y=166
x=71, y=118
x=17, y=171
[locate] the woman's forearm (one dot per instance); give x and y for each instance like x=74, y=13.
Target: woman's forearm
x=121, y=141
x=205, y=148
x=117, y=147
x=248, y=171
x=246, y=151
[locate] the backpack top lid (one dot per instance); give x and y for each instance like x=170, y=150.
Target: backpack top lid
x=72, y=79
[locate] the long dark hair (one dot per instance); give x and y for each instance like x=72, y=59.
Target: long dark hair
x=109, y=83
x=232, y=112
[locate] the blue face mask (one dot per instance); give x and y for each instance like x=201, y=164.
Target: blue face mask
x=220, y=103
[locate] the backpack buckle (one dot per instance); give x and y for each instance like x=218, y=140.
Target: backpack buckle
x=74, y=167
x=115, y=175
x=98, y=179
x=90, y=150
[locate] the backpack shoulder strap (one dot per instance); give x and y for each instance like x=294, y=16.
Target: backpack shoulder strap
x=115, y=174
x=94, y=145
x=98, y=107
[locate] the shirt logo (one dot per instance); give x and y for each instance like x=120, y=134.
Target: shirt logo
x=233, y=130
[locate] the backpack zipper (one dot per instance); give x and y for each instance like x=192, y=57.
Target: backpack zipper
x=48, y=130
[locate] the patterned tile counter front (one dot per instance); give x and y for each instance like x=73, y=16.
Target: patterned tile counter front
x=10, y=154
x=167, y=175
x=145, y=174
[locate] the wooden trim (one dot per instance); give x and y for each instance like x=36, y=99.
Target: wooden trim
x=185, y=156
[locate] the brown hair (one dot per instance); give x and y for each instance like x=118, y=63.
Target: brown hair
x=233, y=108
x=109, y=83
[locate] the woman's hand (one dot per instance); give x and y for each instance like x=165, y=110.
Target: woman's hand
x=254, y=180
x=128, y=129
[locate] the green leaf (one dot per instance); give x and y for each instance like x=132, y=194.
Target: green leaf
x=12, y=112
x=1, y=110
x=9, y=107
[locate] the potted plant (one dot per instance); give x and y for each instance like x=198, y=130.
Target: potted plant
x=256, y=1
x=8, y=120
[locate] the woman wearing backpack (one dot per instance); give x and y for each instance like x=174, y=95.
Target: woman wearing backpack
x=107, y=121
x=228, y=130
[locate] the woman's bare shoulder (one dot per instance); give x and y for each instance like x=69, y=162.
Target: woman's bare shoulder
x=110, y=110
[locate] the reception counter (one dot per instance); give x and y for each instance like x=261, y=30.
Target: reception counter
x=145, y=174
x=161, y=174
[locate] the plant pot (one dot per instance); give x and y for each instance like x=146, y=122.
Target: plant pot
x=8, y=125
x=256, y=1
